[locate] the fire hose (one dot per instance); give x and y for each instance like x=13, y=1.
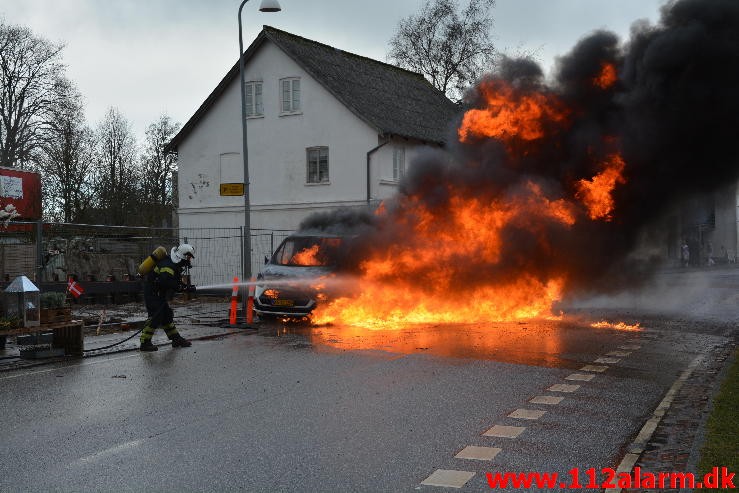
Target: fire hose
x=185, y=288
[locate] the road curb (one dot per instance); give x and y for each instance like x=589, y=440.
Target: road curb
x=639, y=445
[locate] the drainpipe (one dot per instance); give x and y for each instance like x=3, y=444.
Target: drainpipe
x=369, y=157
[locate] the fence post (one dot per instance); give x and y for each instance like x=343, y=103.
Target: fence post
x=245, y=291
x=39, y=249
x=271, y=242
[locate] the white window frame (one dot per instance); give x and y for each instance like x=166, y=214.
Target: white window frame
x=313, y=156
x=254, y=99
x=398, y=163
x=291, y=105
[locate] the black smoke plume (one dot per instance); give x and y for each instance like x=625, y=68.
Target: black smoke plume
x=673, y=115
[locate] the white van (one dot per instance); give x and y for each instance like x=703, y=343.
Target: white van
x=290, y=282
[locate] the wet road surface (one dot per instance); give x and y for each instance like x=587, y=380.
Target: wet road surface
x=342, y=409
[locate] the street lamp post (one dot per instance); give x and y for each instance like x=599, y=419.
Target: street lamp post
x=266, y=6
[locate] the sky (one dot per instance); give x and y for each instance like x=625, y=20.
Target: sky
x=149, y=57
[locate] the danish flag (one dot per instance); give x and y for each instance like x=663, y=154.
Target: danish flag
x=74, y=288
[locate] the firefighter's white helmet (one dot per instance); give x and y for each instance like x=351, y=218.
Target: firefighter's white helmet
x=182, y=252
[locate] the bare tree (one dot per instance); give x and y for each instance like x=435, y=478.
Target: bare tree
x=67, y=160
x=30, y=66
x=157, y=170
x=451, y=48
x=116, y=173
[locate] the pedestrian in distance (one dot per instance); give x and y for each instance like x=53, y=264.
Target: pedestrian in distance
x=160, y=285
x=685, y=253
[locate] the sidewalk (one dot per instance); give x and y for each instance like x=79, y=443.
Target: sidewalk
x=195, y=320
x=676, y=444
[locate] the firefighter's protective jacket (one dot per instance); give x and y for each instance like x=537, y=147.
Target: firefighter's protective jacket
x=163, y=280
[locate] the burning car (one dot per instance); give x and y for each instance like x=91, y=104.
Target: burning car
x=291, y=283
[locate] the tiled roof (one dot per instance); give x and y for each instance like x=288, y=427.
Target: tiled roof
x=392, y=100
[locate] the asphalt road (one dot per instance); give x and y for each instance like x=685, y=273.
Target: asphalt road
x=342, y=409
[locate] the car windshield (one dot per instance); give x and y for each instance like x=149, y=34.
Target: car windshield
x=307, y=251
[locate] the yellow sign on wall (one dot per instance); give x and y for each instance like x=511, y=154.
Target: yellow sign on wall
x=232, y=189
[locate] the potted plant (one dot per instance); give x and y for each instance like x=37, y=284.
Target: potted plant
x=54, y=308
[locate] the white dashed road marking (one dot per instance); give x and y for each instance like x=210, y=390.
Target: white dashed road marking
x=527, y=414
x=502, y=431
x=563, y=387
x=620, y=354
x=478, y=453
x=546, y=399
x=457, y=479
x=448, y=479
x=580, y=377
x=608, y=361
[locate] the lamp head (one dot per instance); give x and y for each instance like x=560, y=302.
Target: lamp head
x=270, y=6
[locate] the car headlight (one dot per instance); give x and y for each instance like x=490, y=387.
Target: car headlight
x=271, y=293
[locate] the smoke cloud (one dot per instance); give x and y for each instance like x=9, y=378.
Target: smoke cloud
x=672, y=114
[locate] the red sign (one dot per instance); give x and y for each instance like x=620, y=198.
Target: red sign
x=21, y=189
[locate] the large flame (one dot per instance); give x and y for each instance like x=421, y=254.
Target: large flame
x=420, y=276
x=415, y=281
x=597, y=193
x=509, y=113
x=307, y=257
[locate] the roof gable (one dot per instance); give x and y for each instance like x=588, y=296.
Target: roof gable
x=392, y=100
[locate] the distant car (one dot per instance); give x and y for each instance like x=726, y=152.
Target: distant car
x=291, y=279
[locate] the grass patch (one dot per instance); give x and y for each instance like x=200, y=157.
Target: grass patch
x=722, y=429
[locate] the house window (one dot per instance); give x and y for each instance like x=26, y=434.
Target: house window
x=254, y=105
x=317, y=165
x=398, y=163
x=290, y=95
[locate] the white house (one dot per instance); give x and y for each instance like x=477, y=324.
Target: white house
x=326, y=129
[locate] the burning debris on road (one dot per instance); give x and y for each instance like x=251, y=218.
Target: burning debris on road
x=547, y=185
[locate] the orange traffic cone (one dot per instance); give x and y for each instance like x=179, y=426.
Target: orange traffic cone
x=234, y=301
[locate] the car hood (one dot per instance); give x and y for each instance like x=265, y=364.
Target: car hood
x=287, y=272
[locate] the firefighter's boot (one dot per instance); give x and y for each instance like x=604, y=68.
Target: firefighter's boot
x=175, y=337
x=148, y=346
x=179, y=341
x=146, y=334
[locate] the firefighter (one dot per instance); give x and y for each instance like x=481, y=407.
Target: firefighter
x=159, y=287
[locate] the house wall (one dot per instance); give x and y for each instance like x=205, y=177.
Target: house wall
x=280, y=196
x=725, y=233
x=383, y=185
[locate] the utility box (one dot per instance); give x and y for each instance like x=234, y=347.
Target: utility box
x=22, y=300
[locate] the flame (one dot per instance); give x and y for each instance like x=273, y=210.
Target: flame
x=307, y=257
x=607, y=76
x=510, y=114
x=596, y=193
x=415, y=281
x=603, y=324
x=524, y=298
x=424, y=275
